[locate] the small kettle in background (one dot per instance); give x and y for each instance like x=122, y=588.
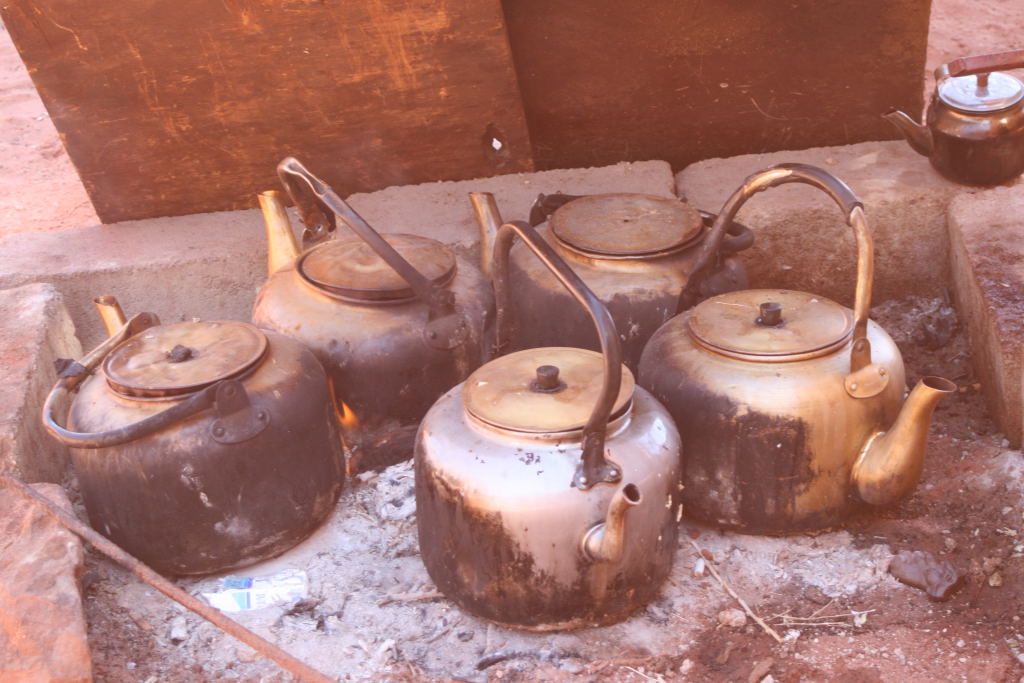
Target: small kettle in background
x=974, y=128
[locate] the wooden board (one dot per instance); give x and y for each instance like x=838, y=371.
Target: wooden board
x=684, y=80
x=170, y=108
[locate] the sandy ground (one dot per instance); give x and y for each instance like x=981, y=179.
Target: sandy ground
x=39, y=189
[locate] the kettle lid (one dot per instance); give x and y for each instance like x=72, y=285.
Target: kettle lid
x=542, y=391
x=181, y=358
x=626, y=224
x=967, y=94
x=770, y=325
x=349, y=268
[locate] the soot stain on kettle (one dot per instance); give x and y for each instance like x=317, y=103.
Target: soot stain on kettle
x=475, y=561
x=743, y=469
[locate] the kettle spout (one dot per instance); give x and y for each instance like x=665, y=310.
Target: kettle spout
x=605, y=542
x=282, y=249
x=489, y=219
x=919, y=137
x=111, y=314
x=890, y=463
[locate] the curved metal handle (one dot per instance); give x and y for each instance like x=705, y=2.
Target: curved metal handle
x=446, y=329
x=228, y=396
x=75, y=373
x=852, y=208
x=981, y=65
x=594, y=467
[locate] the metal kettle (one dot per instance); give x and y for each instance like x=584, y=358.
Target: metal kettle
x=974, y=126
x=199, y=446
x=547, y=484
x=634, y=251
x=791, y=406
x=395, y=319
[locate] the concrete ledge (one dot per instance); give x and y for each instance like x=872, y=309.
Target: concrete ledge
x=986, y=233
x=211, y=265
x=35, y=330
x=801, y=240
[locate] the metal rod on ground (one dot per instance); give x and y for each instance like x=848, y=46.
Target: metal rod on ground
x=113, y=551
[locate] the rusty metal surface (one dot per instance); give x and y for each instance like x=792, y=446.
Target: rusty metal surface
x=349, y=267
x=503, y=393
x=182, y=358
x=188, y=499
x=502, y=528
x=299, y=669
x=626, y=224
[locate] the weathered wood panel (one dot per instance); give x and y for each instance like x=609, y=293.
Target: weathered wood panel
x=684, y=80
x=169, y=108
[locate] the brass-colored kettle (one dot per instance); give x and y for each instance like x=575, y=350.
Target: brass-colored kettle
x=547, y=483
x=974, y=127
x=791, y=406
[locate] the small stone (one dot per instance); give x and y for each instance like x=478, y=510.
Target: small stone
x=995, y=579
x=960, y=643
x=920, y=569
x=708, y=555
x=950, y=543
x=686, y=667
x=464, y=636
x=700, y=569
x=179, y=629
x=815, y=595
x=732, y=618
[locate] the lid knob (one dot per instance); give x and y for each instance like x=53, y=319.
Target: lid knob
x=771, y=314
x=180, y=354
x=547, y=381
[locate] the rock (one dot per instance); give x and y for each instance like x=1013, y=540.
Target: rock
x=35, y=330
x=42, y=625
x=179, y=629
x=732, y=618
x=995, y=579
x=920, y=569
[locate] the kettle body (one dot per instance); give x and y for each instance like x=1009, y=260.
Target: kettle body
x=396, y=320
x=634, y=251
x=501, y=529
x=770, y=446
x=791, y=406
x=547, y=484
x=210, y=473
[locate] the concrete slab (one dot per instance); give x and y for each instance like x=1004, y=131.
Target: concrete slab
x=35, y=330
x=986, y=234
x=211, y=265
x=42, y=623
x=801, y=242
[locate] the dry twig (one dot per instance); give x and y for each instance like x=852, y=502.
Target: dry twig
x=409, y=597
x=743, y=603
